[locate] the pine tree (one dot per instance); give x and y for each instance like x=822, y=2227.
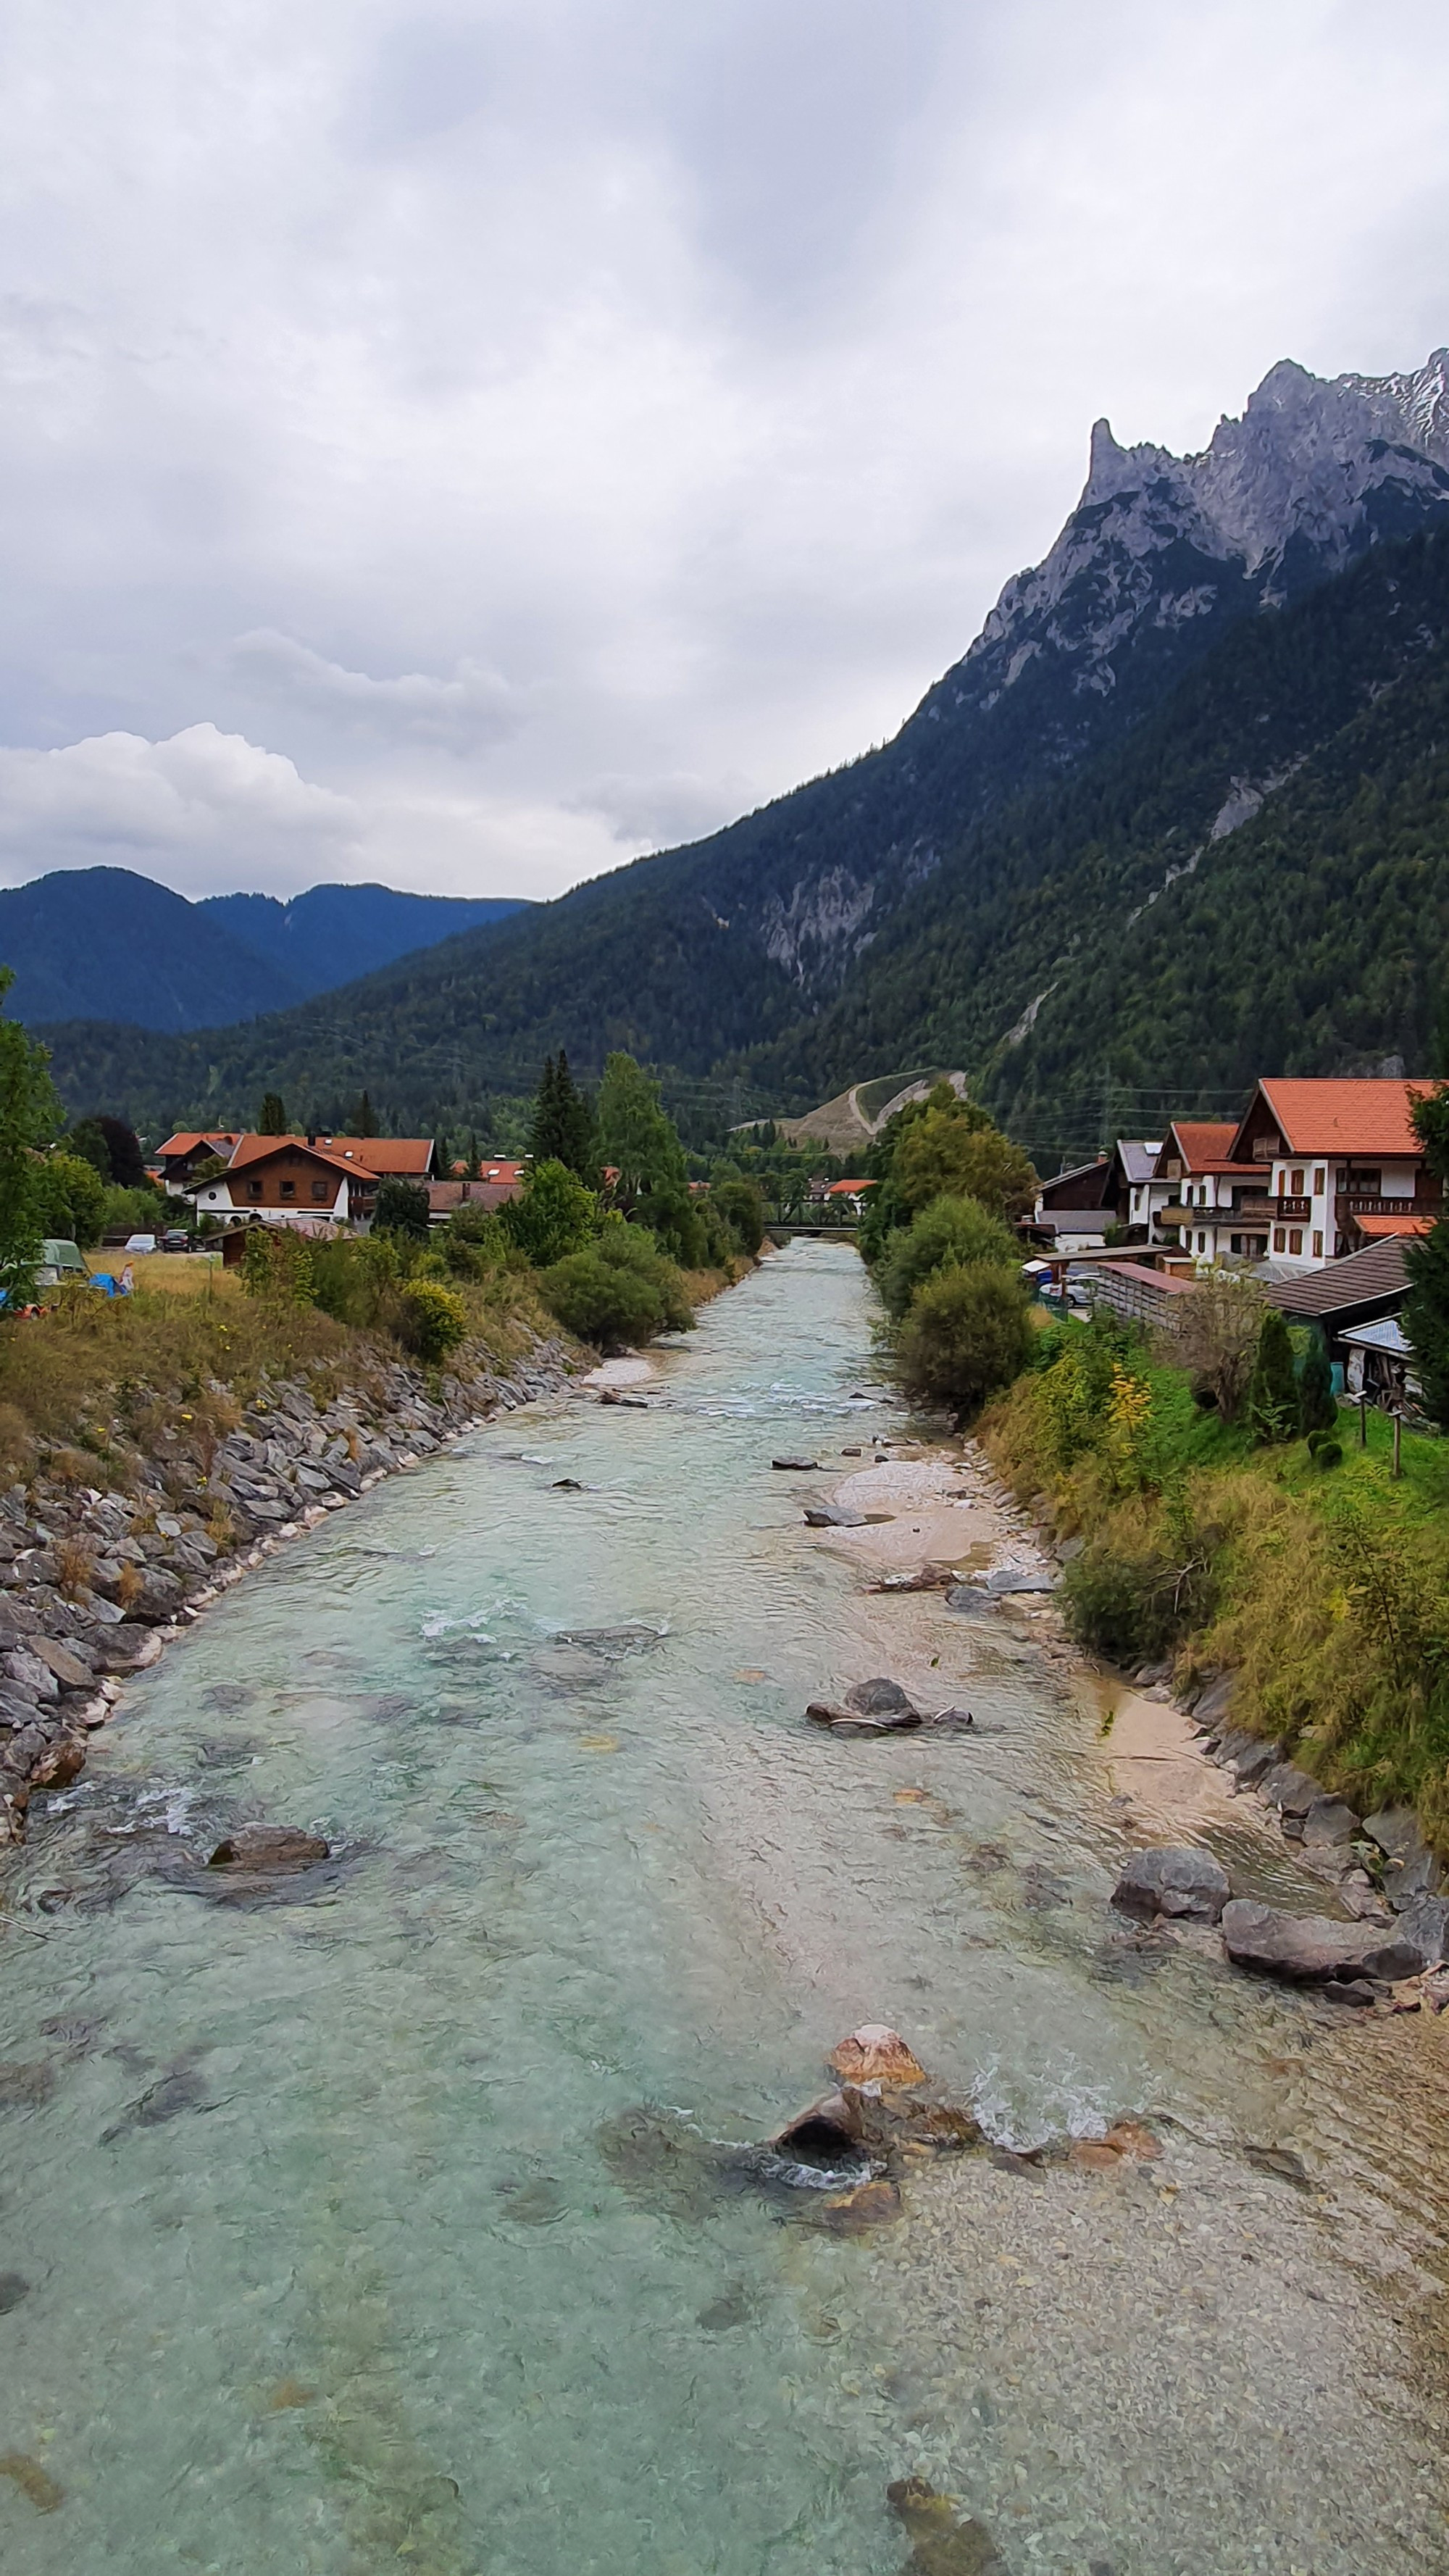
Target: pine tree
x=1317, y=1403
x=271, y=1117
x=363, y=1121
x=1273, y=1395
x=563, y=1122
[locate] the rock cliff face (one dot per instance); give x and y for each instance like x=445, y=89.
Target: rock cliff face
x=1163, y=551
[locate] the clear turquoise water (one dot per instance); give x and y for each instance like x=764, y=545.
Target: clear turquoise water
x=378, y=2289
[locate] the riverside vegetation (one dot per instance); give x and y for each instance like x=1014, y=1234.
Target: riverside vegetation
x=1219, y=1510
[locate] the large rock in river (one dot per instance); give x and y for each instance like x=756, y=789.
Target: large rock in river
x=269, y=1847
x=1173, y=1879
x=1308, y=1949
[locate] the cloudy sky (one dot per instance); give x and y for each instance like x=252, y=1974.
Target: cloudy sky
x=465, y=445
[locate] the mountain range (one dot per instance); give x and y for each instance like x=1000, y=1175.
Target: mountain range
x=1179, y=813
x=106, y=944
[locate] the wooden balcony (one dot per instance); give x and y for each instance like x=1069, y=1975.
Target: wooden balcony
x=1433, y=1209
x=1293, y=1211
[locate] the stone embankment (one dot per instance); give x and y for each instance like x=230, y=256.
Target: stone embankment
x=94, y=1583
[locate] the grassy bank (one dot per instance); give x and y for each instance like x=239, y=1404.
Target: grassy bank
x=1325, y=1589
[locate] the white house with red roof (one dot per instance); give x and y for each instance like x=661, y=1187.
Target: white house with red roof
x=1340, y=1163
x=1216, y=1202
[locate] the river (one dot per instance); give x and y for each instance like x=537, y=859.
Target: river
x=332, y=2237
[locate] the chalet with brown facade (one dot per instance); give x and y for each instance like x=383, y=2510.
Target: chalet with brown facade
x=311, y=1180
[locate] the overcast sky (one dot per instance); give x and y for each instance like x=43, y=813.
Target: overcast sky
x=467, y=445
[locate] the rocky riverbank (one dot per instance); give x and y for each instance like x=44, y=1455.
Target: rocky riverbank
x=95, y=1582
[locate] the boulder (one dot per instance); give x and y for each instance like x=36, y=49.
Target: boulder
x=1288, y=1789
x=1329, y=1823
x=970, y=1597
x=160, y=1595
x=797, y=1466
x=1019, y=1578
x=1426, y=1923
x=1308, y=1949
x=60, y=1763
x=64, y=1663
x=127, y=1649
x=875, y=2054
x=880, y=1698
x=869, y=2204
x=1216, y=1700
x=272, y=1848
x=832, y=1516
x=1176, y=1879
x=1411, y=1869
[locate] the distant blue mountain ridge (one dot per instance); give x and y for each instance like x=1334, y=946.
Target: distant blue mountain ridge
x=106, y=944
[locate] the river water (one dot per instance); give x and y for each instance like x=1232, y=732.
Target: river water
x=346, y=2230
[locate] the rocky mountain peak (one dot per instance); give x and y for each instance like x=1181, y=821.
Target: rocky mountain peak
x=1309, y=476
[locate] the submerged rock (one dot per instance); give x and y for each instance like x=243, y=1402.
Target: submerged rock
x=867, y=2204
x=1173, y=1879
x=832, y=1516
x=942, y=2545
x=633, y=1637
x=842, y=1720
x=797, y=1466
x=1308, y=1949
x=269, y=1848
x=876, y=2054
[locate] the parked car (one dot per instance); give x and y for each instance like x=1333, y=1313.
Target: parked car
x=59, y=1259
x=140, y=1243
x=176, y=1239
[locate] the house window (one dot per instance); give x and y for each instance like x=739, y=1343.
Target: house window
x=289, y=1189
x=1237, y=1243
x=1295, y=1239
x=319, y=1193
x=1317, y=1245
x=1202, y=1243
x=1295, y=1185
x=1320, y=1177
x=254, y=1189
x=1365, y=1184
x=1279, y=1239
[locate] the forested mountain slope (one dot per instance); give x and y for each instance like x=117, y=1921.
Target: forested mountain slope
x=917, y=903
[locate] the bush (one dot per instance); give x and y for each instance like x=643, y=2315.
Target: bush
x=1148, y=1579
x=1273, y=1393
x=948, y=1234
x=671, y=1216
x=1317, y=1403
x=432, y=1320
x=553, y=1214
x=1327, y=1452
x=741, y=1205
x=620, y=1289
x=401, y=1208
x=968, y=1334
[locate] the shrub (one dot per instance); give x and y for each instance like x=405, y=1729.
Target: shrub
x=552, y=1215
x=967, y=1334
x=741, y=1205
x=432, y=1320
x=947, y=1234
x=1317, y=1403
x=671, y=1215
x=620, y=1289
x=1327, y=1452
x=1145, y=1581
x=401, y=1208
x=1214, y=1334
x=1273, y=1393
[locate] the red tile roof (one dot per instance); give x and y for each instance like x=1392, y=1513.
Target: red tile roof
x=187, y=1140
x=1375, y=1226
x=374, y=1156
x=1349, y=1117
x=1204, y=1145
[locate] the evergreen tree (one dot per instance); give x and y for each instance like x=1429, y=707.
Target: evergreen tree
x=562, y=1129
x=1317, y=1404
x=272, y=1116
x=402, y=1208
x=364, y=1122
x=1273, y=1395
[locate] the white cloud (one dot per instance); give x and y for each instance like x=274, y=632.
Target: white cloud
x=474, y=708
x=654, y=397
x=205, y=811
